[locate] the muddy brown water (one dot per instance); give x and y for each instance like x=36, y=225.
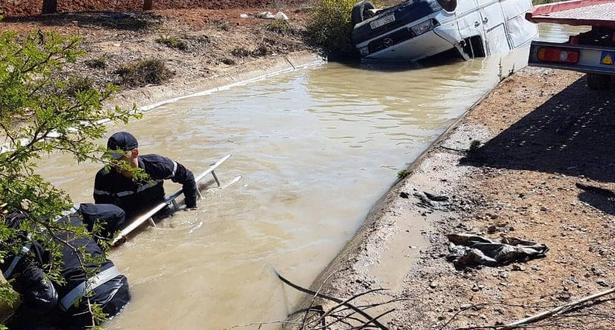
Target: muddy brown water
x=316, y=148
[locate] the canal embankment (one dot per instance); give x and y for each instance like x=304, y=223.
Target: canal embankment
x=164, y=54
x=518, y=164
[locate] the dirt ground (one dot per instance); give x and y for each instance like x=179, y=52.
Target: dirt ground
x=542, y=132
x=207, y=43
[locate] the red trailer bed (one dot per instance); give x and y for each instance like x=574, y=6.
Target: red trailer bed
x=592, y=52
x=598, y=13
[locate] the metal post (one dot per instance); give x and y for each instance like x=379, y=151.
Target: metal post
x=151, y=222
x=215, y=178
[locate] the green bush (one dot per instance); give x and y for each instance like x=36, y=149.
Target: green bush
x=144, y=72
x=330, y=27
x=279, y=26
x=172, y=42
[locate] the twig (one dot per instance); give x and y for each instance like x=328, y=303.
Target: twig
x=305, y=316
x=337, y=300
x=555, y=311
x=373, y=320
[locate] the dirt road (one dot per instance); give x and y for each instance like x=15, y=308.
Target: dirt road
x=542, y=132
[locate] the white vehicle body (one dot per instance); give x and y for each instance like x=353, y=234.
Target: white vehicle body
x=418, y=29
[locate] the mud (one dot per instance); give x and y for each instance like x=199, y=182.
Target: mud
x=542, y=132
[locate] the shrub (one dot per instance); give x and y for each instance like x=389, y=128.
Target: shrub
x=330, y=27
x=240, y=52
x=279, y=26
x=228, y=61
x=402, y=174
x=173, y=42
x=261, y=50
x=474, y=146
x=76, y=85
x=97, y=63
x=144, y=72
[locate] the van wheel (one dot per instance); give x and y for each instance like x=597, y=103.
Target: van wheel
x=360, y=11
x=598, y=82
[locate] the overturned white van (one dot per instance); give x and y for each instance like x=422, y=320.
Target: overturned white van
x=418, y=29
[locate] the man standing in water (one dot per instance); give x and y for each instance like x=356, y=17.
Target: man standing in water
x=86, y=276
x=116, y=185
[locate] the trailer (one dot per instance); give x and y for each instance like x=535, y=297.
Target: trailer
x=592, y=52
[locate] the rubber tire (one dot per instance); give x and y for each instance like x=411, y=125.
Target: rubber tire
x=598, y=82
x=358, y=11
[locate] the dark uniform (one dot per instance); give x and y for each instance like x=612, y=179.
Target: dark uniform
x=51, y=305
x=135, y=198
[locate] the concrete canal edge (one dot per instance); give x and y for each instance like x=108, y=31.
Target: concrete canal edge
x=150, y=97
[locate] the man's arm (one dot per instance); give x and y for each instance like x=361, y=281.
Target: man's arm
x=186, y=178
x=102, y=195
x=37, y=291
x=166, y=168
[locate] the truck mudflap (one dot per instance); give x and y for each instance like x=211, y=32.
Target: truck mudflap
x=582, y=58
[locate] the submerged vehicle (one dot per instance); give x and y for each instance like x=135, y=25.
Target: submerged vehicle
x=418, y=29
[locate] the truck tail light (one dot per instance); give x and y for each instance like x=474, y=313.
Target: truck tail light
x=558, y=55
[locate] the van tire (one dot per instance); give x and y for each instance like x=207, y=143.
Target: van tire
x=598, y=82
x=358, y=11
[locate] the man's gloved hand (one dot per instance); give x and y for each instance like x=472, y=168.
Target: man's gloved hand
x=191, y=203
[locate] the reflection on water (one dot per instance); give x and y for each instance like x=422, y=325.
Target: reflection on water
x=315, y=148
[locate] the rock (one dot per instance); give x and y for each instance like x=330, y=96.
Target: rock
x=433, y=284
x=281, y=16
x=244, y=16
x=518, y=268
x=603, y=283
x=436, y=198
x=404, y=195
x=597, y=271
x=491, y=229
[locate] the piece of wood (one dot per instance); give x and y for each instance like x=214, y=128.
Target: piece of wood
x=555, y=311
x=167, y=201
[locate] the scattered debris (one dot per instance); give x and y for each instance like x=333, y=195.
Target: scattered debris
x=436, y=198
x=281, y=16
x=268, y=15
x=471, y=250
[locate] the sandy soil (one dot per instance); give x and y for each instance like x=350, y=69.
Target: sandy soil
x=542, y=132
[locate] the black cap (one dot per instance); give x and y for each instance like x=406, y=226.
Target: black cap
x=122, y=141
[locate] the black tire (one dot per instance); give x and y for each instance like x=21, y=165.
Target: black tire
x=598, y=82
x=359, y=10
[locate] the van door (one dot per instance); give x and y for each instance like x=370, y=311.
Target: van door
x=520, y=31
x=469, y=19
x=492, y=19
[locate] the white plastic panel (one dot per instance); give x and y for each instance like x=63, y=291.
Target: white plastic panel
x=520, y=30
x=514, y=8
x=496, y=40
